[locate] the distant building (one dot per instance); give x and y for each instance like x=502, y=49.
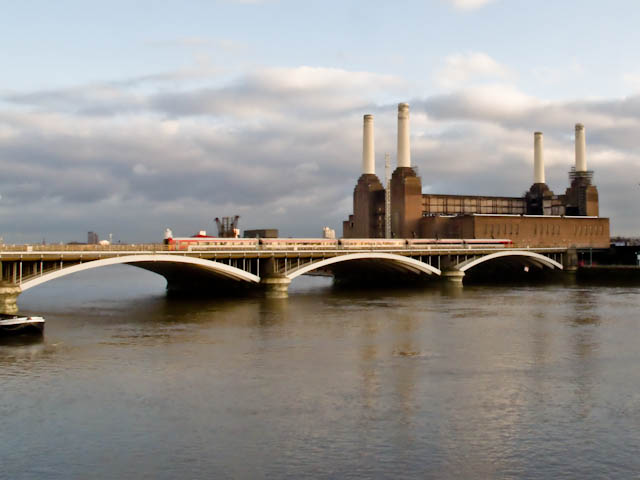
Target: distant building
x=539, y=218
x=92, y=238
x=261, y=233
x=328, y=232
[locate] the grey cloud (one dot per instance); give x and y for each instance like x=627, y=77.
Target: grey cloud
x=96, y=100
x=613, y=119
x=280, y=151
x=267, y=93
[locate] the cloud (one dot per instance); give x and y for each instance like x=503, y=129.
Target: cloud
x=461, y=69
x=496, y=102
x=467, y=5
x=263, y=92
x=279, y=91
x=632, y=80
x=98, y=99
x=280, y=147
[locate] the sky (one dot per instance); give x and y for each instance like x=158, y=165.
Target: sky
x=125, y=118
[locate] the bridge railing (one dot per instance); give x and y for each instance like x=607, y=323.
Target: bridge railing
x=85, y=248
x=291, y=248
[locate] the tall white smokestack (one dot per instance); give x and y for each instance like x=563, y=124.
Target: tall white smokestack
x=368, y=148
x=404, y=148
x=581, y=148
x=538, y=158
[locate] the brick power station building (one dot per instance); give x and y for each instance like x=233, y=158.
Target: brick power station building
x=540, y=218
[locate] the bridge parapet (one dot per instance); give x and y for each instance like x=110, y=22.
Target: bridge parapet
x=23, y=267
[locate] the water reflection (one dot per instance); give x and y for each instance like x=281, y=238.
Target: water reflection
x=439, y=382
x=584, y=305
x=21, y=340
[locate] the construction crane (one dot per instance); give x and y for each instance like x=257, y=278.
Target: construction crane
x=228, y=227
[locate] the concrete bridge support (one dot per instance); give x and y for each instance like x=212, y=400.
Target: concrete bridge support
x=570, y=261
x=275, y=286
x=453, y=276
x=450, y=273
x=9, y=298
x=274, y=283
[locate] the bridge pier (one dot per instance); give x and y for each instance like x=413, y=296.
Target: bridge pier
x=275, y=286
x=449, y=272
x=9, y=293
x=452, y=276
x=570, y=261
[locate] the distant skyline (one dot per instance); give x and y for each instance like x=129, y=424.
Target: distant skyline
x=126, y=119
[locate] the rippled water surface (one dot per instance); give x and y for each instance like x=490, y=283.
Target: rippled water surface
x=473, y=382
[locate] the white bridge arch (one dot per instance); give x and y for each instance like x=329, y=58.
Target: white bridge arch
x=409, y=263
x=217, y=268
x=531, y=257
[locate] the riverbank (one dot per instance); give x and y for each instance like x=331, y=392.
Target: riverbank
x=609, y=273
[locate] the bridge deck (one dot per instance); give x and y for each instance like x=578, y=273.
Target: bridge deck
x=73, y=253
x=273, y=268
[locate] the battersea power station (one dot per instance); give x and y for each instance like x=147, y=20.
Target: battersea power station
x=539, y=218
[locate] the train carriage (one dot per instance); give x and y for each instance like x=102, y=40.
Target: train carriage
x=382, y=243
x=205, y=242
x=298, y=243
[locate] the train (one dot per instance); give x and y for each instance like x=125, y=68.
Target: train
x=203, y=242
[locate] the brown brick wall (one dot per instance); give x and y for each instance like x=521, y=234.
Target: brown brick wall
x=524, y=231
x=368, y=204
x=406, y=203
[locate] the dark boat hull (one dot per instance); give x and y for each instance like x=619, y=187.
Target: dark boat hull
x=11, y=326
x=22, y=329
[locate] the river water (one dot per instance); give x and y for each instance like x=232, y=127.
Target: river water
x=476, y=382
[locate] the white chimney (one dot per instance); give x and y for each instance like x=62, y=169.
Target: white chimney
x=404, y=148
x=538, y=158
x=581, y=148
x=368, y=149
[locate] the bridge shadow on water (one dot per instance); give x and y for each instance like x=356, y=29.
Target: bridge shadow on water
x=21, y=340
x=135, y=305
x=521, y=276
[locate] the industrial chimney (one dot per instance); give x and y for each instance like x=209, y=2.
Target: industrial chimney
x=538, y=158
x=368, y=148
x=581, y=158
x=404, y=149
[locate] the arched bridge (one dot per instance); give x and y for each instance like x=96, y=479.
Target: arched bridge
x=217, y=270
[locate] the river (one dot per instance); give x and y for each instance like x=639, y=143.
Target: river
x=525, y=381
